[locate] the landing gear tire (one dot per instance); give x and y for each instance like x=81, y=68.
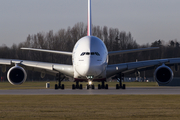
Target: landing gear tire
x=99, y=86
x=60, y=79
x=56, y=87
x=59, y=87
x=120, y=87
x=124, y=86
x=62, y=86
x=93, y=87
x=73, y=86
x=117, y=86
x=81, y=87
x=120, y=78
x=87, y=87
x=106, y=86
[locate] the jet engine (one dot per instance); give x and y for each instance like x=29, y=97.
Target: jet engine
x=16, y=75
x=163, y=74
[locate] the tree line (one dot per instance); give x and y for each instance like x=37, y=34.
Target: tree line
x=65, y=39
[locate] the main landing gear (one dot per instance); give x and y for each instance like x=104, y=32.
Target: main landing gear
x=77, y=86
x=60, y=79
x=103, y=86
x=120, y=77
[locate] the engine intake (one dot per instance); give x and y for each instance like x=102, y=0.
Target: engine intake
x=16, y=75
x=163, y=74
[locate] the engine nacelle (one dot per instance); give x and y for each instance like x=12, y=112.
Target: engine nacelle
x=163, y=74
x=16, y=75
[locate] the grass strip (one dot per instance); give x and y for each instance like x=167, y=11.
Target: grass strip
x=81, y=107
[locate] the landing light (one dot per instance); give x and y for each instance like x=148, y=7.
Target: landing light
x=90, y=82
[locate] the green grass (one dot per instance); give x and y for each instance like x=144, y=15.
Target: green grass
x=42, y=85
x=81, y=107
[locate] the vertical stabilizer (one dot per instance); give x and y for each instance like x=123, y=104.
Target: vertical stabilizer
x=89, y=19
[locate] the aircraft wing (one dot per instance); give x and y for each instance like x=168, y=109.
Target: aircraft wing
x=48, y=68
x=49, y=51
x=140, y=65
x=131, y=50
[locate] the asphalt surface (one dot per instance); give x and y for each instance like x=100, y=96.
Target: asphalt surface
x=110, y=91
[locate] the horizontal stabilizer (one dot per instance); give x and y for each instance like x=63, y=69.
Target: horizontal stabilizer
x=131, y=50
x=49, y=51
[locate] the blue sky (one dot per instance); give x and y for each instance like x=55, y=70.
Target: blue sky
x=147, y=20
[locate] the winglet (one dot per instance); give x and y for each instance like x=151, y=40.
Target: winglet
x=89, y=19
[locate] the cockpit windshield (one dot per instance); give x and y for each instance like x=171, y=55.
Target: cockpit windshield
x=90, y=53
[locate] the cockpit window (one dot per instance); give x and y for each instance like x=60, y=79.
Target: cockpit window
x=87, y=53
x=97, y=53
x=90, y=53
x=82, y=53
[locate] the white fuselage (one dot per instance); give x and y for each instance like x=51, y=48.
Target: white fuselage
x=90, y=58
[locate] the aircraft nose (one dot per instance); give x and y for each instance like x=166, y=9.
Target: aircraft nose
x=89, y=69
x=92, y=70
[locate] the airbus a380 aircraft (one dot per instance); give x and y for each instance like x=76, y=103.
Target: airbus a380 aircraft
x=90, y=63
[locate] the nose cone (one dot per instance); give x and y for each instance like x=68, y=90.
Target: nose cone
x=85, y=69
x=93, y=70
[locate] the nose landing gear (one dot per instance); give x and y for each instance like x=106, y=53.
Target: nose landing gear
x=90, y=85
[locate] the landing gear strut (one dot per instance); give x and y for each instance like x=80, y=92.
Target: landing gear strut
x=103, y=86
x=60, y=79
x=77, y=86
x=120, y=77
